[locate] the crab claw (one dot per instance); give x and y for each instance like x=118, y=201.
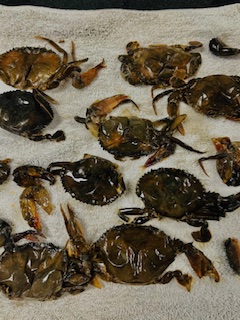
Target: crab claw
x=28, y=199
x=200, y=263
x=28, y=175
x=81, y=80
x=99, y=110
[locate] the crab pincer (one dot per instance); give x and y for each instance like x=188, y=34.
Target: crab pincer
x=29, y=176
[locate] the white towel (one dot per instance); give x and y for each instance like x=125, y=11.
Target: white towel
x=104, y=34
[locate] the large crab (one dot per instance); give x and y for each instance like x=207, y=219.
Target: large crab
x=42, y=270
x=160, y=65
x=93, y=180
x=131, y=136
x=29, y=177
x=214, y=96
x=43, y=69
x=26, y=114
x=228, y=160
x=176, y=194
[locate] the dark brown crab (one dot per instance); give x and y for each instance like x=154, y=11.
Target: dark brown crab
x=177, y=194
x=43, y=69
x=92, y=180
x=160, y=65
x=42, y=270
x=139, y=255
x=29, y=176
x=214, y=96
x=26, y=114
x=228, y=160
x=131, y=136
x=219, y=48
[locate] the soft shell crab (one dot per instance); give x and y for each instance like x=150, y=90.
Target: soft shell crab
x=160, y=65
x=93, y=180
x=228, y=160
x=26, y=114
x=177, y=194
x=29, y=177
x=42, y=270
x=214, y=96
x=43, y=69
x=132, y=136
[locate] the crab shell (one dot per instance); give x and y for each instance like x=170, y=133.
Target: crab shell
x=131, y=254
x=171, y=192
x=21, y=113
x=93, y=180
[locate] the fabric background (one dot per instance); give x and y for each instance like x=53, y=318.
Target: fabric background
x=104, y=34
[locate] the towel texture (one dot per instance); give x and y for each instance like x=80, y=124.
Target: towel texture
x=104, y=34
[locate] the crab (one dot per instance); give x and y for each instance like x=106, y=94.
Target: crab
x=42, y=271
x=132, y=136
x=232, y=246
x=214, y=96
x=219, y=48
x=28, y=176
x=26, y=114
x=43, y=69
x=160, y=65
x=93, y=180
x=228, y=160
x=4, y=170
x=177, y=194
x=139, y=255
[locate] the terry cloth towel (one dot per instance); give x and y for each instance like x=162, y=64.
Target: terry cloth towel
x=105, y=34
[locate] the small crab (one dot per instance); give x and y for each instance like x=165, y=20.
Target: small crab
x=232, y=246
x=26, y=114
x=176, y=194
x=160, y=65
x=43, y=69
x=43, y=271
x=4, y=170
x=29, y=176
x=139, y=255
x=92, y=180
x=214, y=96
x=219, y=48
x=228, y=160
x=132, y=136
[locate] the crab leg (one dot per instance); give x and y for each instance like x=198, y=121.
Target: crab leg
x=57, y=47
x=28, y=207
x=200, y=263
x=81, y=80
x=183, y=279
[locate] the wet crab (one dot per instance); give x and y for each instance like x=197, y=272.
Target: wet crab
x=43, y=69
x=29, y=176
x=42, y=270
x=228, y=160
x=177, y=194
x=92, y=180
x=214, y=96
x=160, y=65
x=131, y=136
x=26, y=114
x=139, y=255
x=232, y=246
x=219, y=48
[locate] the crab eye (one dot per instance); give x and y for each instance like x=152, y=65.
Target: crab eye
x=211, y=113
